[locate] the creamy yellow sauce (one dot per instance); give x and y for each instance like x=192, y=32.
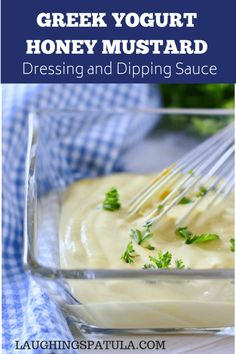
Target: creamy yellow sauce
x=91, y=237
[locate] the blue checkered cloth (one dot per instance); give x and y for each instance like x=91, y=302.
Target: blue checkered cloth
x=28, y=312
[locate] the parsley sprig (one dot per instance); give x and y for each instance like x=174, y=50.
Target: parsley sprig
x=111, y=201
x=232, y=242
x=185, y=200
x=128, y=255
x=163, y=260
x=192, y=238
x=160, y=207
x=141, y=237
x=202, y=191
x=179, y=264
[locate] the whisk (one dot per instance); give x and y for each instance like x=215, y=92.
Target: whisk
x=211, y=164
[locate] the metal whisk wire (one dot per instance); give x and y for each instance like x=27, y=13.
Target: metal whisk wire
x=211, y=164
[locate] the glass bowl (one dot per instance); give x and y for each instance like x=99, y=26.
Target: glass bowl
x=113, y=300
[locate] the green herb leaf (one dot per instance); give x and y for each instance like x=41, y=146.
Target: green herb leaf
x=179, y=264
x=191, y=238
x=148, y=233
x=136, y=235
x=162, y=260
x=141, y=237
x=204, y=238
x=111, y=201
x=202, y=191
x=148, y=266
x=184, y=232
x=160, y=207
x=232, y=241
x=128, y=255
x=185, y=200
x=150, y=247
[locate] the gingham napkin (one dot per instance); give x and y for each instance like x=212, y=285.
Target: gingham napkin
x=28, y=313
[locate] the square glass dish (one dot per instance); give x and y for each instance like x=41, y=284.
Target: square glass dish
x=66, y=146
